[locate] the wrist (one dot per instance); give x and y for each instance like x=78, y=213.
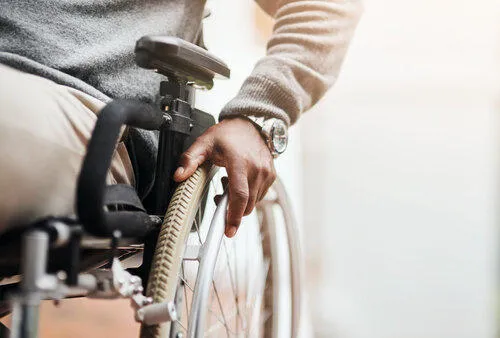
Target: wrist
x=273, y=131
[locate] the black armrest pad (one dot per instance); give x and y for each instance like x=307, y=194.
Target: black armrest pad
x=174, y=57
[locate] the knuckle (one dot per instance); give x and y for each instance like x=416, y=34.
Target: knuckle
x=186, y=158
x=269, y=171
x=272, y=175
x=243, y=160
x=241, y=194
x=262, y=168
x=209, y=132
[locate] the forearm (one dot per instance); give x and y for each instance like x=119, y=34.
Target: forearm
x=304, y=55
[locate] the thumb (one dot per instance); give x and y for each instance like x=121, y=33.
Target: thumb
x=192, y=158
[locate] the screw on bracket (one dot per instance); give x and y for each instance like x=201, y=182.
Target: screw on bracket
x=167, y=119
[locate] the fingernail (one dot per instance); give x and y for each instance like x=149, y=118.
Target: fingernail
x=179, y=171
x=231, y=232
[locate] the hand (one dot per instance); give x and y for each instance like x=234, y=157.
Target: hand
x=237, y=145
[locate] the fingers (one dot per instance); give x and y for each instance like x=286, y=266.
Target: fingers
x=245, y=191
x=259, y=183
x=225, y=181
x=267, y=184
x=254, y=183
x=252, y=199
x=192, y=158
x=238, y=198
x=247, y=185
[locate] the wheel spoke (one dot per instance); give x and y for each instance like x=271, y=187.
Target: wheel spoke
x=180, y=324
x=235, y=257
x=259, y=294
x=220, y=322
x=186, y=284
x=198, y=228
x=185, y=290
x=221, y=310
x=233, y=284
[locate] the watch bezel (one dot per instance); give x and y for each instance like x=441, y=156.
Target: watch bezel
x=268, y=128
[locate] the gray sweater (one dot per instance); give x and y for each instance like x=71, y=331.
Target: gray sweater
x=88, y=45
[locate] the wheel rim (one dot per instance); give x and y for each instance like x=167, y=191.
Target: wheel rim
x=236, y=294
x=233, y=304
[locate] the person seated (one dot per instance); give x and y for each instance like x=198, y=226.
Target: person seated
x=62, y=61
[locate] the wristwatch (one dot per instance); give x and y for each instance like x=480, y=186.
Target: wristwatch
x=273, y=130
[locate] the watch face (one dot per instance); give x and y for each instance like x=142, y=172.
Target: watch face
x=279, y=136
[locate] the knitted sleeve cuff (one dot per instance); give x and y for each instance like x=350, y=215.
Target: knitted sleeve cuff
x=261, y=96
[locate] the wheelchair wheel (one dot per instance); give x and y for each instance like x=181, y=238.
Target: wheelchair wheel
x=247, y=286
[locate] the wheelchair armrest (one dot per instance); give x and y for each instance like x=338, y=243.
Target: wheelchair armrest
x=92, y=193
x=179, y=59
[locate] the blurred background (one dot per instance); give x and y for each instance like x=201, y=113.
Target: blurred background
x=393, y=175
x=400, y=175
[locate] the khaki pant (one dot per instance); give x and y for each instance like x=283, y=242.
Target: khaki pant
x=44, y=129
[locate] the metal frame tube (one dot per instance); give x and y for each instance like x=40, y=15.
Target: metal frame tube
x=26, y=305
x=296, y=263
x=209, y=253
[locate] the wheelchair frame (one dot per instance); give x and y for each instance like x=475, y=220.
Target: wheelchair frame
x=115, y=213
x=118, y=222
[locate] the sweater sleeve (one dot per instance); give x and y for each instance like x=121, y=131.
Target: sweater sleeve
x=303, y=59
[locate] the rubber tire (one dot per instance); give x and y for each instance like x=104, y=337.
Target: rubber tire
x=169, y=252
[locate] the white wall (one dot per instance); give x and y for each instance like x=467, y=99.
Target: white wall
x=400, y=176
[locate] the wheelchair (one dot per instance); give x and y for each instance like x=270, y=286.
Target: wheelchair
x=167, y=254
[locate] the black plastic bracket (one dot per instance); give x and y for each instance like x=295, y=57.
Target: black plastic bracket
x=182, y=125
x=73, y=250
